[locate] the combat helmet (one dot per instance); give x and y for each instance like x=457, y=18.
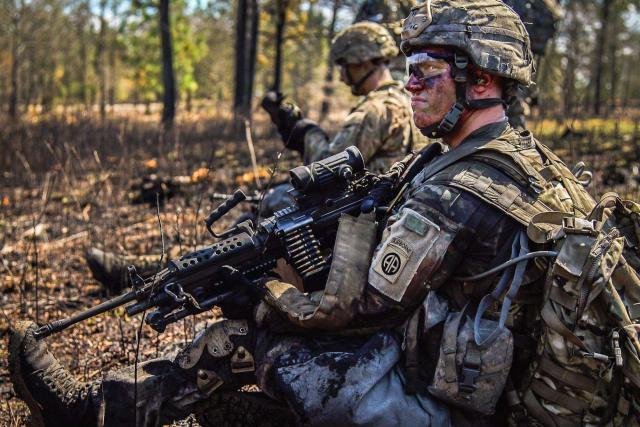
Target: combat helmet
x=361, y=42
x=485, y=33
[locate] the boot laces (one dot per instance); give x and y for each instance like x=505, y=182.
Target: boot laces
x=62, y=383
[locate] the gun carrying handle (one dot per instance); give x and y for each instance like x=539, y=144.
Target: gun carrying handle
x=221, y=210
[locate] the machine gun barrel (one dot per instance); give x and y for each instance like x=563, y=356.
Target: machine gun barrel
x=62, y=324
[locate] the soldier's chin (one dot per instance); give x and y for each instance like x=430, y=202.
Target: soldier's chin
x=427, y=123
x=430, y=130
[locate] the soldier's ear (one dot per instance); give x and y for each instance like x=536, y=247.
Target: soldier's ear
x=485, y=85
x=481, y=78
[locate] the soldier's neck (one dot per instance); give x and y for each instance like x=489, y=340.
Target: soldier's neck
x=472, y=121
x=381, y=76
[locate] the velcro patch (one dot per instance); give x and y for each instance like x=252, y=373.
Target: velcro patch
x=416, y=223
x=407, y=244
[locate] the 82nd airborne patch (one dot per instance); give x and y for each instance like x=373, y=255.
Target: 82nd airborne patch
x=406, y=246
x=393, y=260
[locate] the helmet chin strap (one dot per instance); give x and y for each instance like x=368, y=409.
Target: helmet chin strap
x=355, y=87
x=451, y=120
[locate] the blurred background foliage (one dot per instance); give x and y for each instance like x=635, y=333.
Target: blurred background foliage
x=100, y=53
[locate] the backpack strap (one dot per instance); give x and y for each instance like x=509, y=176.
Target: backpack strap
x=489, y=168
x=494, y=187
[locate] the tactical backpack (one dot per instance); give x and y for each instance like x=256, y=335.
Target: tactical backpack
x=586, y=369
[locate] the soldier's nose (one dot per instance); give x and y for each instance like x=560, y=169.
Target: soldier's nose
x=413, y=84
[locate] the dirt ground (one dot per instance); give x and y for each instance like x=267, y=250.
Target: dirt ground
x=65, y=187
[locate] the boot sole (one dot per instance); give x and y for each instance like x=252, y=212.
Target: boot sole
x=15, y=346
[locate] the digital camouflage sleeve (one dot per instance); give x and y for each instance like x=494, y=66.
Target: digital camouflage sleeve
x=381, y=126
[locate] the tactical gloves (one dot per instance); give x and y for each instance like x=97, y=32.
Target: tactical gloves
x=241, y=304
x=288, y=119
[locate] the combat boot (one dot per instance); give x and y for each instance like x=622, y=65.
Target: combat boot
x=111, y=270
x=53, y=395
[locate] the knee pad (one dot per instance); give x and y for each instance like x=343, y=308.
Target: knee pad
x=218, y=354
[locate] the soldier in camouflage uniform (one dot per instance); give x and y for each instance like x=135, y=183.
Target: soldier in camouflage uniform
x=390, y=332
x=379, y=125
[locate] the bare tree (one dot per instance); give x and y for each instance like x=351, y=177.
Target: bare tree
x=247, y=21
x=99, y=63
x=168, y=76
x=605, y=12
x=16, y=17
x=281, y=21
x=328, y=79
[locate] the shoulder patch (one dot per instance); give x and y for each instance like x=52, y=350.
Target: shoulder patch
x=412, y=245
x=392, y=260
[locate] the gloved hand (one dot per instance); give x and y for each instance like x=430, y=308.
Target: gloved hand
x=271, y=104
x=378, y=195
x=241, y=304
x=287, y=117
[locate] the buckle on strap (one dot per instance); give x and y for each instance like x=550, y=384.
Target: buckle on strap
x=578, y=225
x=470, y=371
x=469, y=375
x=451, y=119
x=461, y=62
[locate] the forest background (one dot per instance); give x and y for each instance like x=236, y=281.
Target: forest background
x=95, y=94
x=87, y=53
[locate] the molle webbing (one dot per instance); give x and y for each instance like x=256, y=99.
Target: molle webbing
x=494, y=187
x=510, y=173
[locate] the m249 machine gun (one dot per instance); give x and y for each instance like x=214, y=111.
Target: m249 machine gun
x=302, y=234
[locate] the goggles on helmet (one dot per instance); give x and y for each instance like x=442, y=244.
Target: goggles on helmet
x=425, y=66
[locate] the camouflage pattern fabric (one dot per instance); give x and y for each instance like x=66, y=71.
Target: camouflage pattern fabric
x=390, y=15
x=439, y=230
x=384, y=11
x=362, y=42
x=540, y=18
x=491, y=34
x=339, y=381
x=381, y=126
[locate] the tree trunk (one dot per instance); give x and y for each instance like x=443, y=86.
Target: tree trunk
x=281, y=14
x=600, y=59
x=82, y=34
x=15, y=60
x=168, y=77
x=614, y=73
x=251, y=56
x=328, y=79
x=247, y=23
x=113, y=40
x=573, y=41
x=99, y=64
x=241, y=48
x=15, y=65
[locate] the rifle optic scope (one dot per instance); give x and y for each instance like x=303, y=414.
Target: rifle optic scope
x=329, y=171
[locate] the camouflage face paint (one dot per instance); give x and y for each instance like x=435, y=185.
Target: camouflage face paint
x=425, y=67
x=431, y=86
